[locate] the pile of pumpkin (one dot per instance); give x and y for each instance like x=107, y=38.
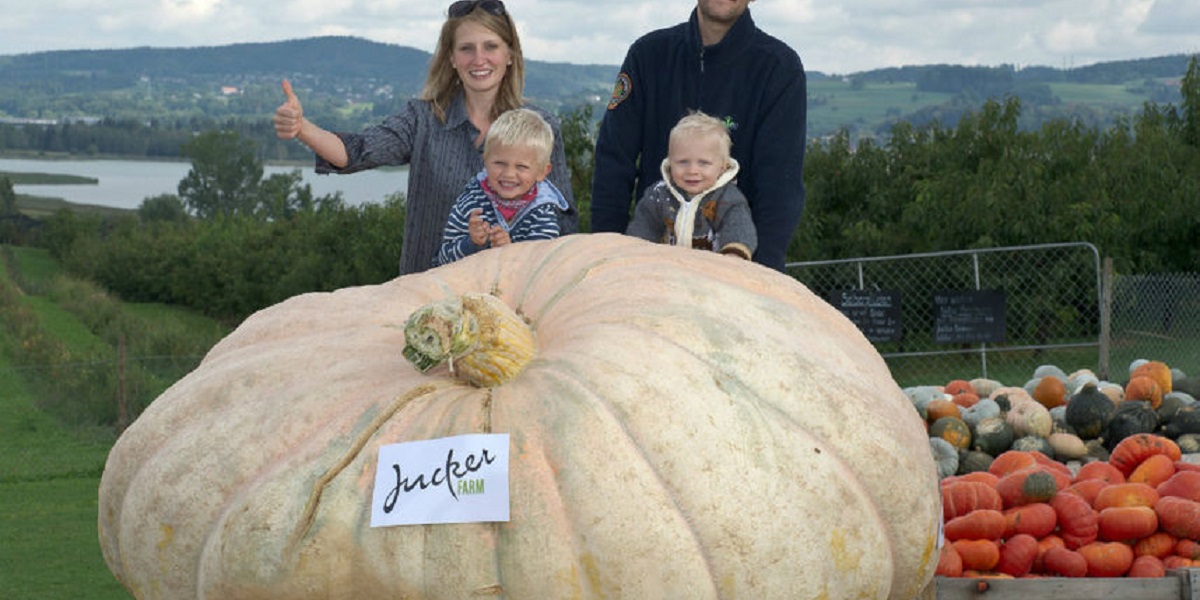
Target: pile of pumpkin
x=1067, y=476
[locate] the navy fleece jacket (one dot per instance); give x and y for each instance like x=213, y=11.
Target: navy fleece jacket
x=752, y=81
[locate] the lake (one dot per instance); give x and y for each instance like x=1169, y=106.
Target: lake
x=126, y=183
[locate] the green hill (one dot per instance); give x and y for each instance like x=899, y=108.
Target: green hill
x=349, y=81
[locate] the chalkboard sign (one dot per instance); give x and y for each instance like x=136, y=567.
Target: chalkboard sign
x=877, y=313
x=968, y=316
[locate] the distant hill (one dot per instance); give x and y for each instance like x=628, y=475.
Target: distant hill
x=349, y=81
x=346, y=65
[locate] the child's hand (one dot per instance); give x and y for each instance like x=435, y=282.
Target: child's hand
x=480, y=230
x=499, y=237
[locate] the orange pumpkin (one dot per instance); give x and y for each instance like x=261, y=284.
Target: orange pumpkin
x=1063, y=562
x=1010, y=462
x=1153, y=471
x=949, y=562
x=1078, y=524
x=1160, y=544
x=1044, y=545
x=1125, y=494
x=667, y=390
x=1156, y=370
x=965, y=399
x=1102, y=470
x=941, y=408
x=1017, y=554
x=976, y=525
x=1143, y=389
x=1179, y=517
x=1050, y=392
x=1088, y=489
x=1027, y=486
x=1147, y=566
x=978, y=555
x=978, y=476
x=1127, y=523
x=958, y=386
x=1184, y=484
x=953, y=430
x=1188, y=549
x=1179, y=562
x=1037, y=519
x=1133, y=449
x=962, y=497
x=1107, y=559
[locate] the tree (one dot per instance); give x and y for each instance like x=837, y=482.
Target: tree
x=8, y=198
x=1190, y=89
x=579, y=142
x=9, y=215
x=164, y=207
x=225, y=175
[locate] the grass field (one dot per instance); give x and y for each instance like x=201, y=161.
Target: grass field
x=50, y=472
x=835, y=103
x=49, y=476
x=40, y=207
x=1097, y=95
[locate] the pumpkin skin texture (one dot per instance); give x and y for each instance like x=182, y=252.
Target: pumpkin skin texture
x=1156, y=370
x=1088, y=411
x=1159, y=544
x=962, y=497
x=1037, y=520
x=672, y=437
x=1107, y=559
x=1132, y=450
x=1102, y=470
x=1184, y=484
x=1145, y=389
x=1147, y=566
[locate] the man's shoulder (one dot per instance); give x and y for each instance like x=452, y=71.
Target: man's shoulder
x=778, y=49
x=659, y=37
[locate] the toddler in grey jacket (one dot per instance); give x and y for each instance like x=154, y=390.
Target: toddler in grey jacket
x=697, y=200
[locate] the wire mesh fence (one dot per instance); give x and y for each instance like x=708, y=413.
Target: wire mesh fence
x=1000, y=313
x=1155, y=317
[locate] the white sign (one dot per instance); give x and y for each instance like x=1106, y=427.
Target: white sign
x=461, y=479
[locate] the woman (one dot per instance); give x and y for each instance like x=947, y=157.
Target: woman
x=477, y=73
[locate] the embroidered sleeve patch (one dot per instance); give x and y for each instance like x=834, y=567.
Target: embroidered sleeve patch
x=621, y=91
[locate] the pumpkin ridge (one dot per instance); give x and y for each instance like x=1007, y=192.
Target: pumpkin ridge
x=614, y=416
x=564, y=289
x=307, y=517
x=757, y=404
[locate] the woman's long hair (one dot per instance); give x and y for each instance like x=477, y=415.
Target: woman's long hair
x=442, y=83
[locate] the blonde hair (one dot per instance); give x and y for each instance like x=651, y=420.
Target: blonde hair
x=697, y=124
x=442, y=83
x=524, y=128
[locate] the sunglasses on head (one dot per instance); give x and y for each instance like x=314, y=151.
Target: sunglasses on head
x=463, y=8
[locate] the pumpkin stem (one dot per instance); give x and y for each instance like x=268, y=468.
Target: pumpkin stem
x=485, y=342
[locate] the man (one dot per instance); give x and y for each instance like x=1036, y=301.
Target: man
x=721, y=63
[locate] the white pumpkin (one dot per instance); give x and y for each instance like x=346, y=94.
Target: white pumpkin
x=691, y=426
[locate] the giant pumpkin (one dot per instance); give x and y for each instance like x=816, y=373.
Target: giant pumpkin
x=688, y=425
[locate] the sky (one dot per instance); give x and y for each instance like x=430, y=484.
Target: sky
x=831, y=37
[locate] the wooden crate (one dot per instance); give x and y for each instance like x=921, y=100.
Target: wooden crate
x=1179, y=584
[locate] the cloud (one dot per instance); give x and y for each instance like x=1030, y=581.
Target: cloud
x=842, y=37
x=1173, y=18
